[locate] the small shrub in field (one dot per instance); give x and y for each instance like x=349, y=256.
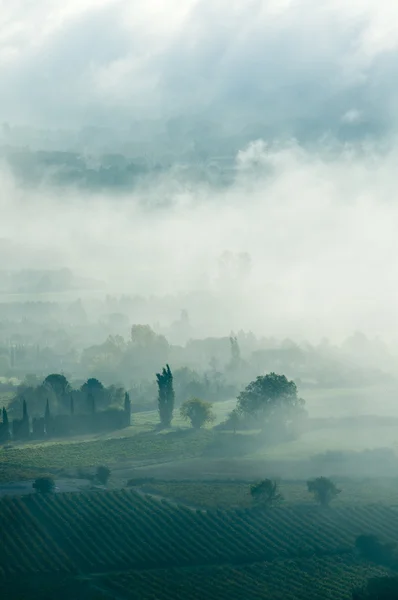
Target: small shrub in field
x=198, y=412
x=102, y=474
x=265, y=492
x=44, y=485
x=323, y=489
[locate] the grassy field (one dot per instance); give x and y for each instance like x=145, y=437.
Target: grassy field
x=226, y=495
x=16, y=462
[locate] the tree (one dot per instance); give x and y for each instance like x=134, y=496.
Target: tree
x=198, y=412
x=103, y=474
x=127, y=402
x=91, y=403
x=165, y=396
x=44, y=485
x=272, y=398
x=265, y=492
x=378, y=588
x=25, y=416
x=4, y=427
x=5, y=418
x=371, y=548
x=323, y=489
x=60, y=386
x=93, y=389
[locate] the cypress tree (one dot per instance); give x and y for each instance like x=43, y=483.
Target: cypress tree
x=91, y=402
x=127, y=409
x=165, y=396
x=47, y=414
x=5, y=418
x=24, y=410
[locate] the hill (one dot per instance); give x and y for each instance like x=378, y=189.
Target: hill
x=97, y=532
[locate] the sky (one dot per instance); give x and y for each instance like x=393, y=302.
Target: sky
x=83, y=61
x=318, y=223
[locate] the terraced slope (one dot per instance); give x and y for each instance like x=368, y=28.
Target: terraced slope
x=97, y=532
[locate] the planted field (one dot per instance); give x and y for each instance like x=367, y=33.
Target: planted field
x=302, y=579
x=97, y=532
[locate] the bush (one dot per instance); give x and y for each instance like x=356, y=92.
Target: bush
x=323, y=489
x=370, y=548
x=198, y=412
x=102, y=474
x=44, y=485
x=265, y=492
x=378, y=588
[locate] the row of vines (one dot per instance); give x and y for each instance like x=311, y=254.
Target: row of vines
x=104, y=531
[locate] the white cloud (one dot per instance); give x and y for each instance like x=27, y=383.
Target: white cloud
x=285, y=57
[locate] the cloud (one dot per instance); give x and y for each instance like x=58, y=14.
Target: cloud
x=316, y=220
x=277, y=59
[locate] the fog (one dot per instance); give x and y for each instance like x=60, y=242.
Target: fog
x=318, y=229
x=301, y=241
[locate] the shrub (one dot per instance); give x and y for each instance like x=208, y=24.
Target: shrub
x=370, y=548
x=198, y=412
x=323, y=489
x=265, y=492
x=102, y=474
x=44, y=485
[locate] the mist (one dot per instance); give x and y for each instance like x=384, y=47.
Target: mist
x=316, y=228
x=302, y=108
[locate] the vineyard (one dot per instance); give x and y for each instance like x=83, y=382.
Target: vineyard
x=98, y=532
x=302, y=579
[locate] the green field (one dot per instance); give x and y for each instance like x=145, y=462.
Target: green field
x=227, y=494
x=53, y=456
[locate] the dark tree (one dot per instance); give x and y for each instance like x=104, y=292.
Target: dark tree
x=91, y=403
x=378, y=588
x=103, y=474
x=44, y=485
x=197, y=412
x=265, y=492
x=165, y=396
x=58, y=383
x=94, y=392
x=25, y=416
x=127, y=403
x=4, y=427
x=371, y=548
x=72, y=404
x=272, y=398
x=47, y=414
x=60, y=386
x=6, y=423
x=323, y=489
x=47, y=418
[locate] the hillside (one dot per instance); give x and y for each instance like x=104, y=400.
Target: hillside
x=95, y=534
